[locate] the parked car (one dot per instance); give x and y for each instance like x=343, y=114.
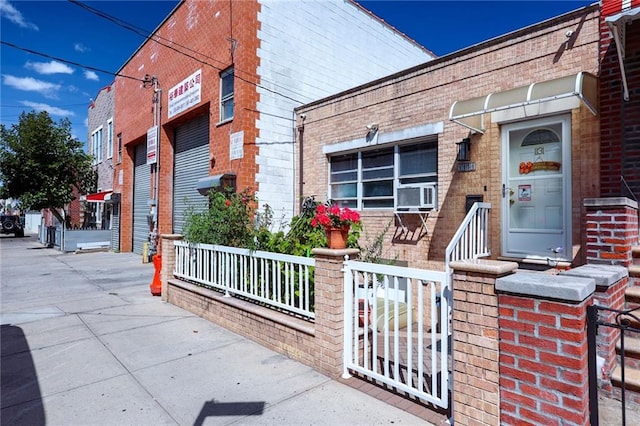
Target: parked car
x=11, y=224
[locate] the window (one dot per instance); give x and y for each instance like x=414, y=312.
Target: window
x=96, y=145
x=110, y=138
x=119, y=148
x=226, y=95
x=371, y=179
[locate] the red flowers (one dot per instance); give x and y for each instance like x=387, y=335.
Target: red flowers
x=227, y=203
x=334, y=216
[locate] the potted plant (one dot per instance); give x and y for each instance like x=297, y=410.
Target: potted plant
x=337, y=222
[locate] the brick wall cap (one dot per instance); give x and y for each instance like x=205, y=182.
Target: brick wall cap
x=610, y=202
x=547, y=286
x=172, y=236
x=352, y=253
x=604, y=275
x=484, y=266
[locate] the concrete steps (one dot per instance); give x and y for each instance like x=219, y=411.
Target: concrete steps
x=631, y=378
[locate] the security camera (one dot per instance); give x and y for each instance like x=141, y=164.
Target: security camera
x=372, y=126
x=303, y=116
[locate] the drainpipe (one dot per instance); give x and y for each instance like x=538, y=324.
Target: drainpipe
x=301, y=166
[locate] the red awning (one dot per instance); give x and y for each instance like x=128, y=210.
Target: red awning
x=98, y=197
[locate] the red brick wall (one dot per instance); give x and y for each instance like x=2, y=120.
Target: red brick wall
x=611, y=232
x=620, y=122
x=543, y=362
x=205, y=28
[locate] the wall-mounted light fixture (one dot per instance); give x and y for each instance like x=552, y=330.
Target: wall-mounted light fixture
x=464, y=149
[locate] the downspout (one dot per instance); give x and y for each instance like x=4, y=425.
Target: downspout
x=301, y=159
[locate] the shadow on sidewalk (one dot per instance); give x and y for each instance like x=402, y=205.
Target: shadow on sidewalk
x=19, y=387
x=215, y=409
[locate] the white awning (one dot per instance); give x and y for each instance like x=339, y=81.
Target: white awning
x=470, y=112
x=617, y=25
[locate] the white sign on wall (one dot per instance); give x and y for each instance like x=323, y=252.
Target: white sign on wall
x=236, y=145
x=152, y=145
x=185, y=94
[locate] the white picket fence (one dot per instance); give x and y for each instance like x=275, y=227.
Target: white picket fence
x=396, y=328
x=278, y=280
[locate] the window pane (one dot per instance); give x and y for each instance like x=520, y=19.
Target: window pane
x=377, y=189
x=352, y=204
x=377, y=173
x=227, y=109
x=344, y=176
x=345, y=190
x=379, y=158
x=227, y=84
x=418, y=159
x=377, y=204
x=344, y=162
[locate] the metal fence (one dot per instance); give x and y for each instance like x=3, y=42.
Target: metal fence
x=396, y=328
x=280, y=281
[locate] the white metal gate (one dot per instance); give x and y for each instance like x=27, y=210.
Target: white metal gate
x=397, y=328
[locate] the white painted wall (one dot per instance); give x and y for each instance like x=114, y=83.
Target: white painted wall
x=311, y=49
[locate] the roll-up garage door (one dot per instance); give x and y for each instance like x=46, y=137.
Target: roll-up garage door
x=141, y=197
x=190, y=164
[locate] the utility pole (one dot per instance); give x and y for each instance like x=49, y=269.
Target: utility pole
x=153, y=158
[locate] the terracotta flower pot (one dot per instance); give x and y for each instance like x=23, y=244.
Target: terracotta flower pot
x=337, y=237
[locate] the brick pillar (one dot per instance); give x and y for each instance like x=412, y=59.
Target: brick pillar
x=612, y=230
x=543, y=349
x=329, y=309
x=168, y=261
x=476, y=393
x=611, y=283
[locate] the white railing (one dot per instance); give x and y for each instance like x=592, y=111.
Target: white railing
x=278, y=280
x=471, y=240
x=395, y=320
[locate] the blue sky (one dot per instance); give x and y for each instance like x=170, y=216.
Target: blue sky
x=79, y=44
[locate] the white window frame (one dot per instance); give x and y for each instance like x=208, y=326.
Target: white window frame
x=228, y=97
x=428, y=178
x=110, y=138
x=96, y=145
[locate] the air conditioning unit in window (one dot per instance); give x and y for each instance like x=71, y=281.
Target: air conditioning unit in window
x=424, y=196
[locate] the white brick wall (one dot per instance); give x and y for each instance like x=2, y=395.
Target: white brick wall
x=309, y=50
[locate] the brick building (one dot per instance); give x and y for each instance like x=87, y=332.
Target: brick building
x=100, y=211
x=620, y=98
x=221, y=80
x=512, y=121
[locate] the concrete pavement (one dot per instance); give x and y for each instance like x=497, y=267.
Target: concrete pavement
x=85, y=343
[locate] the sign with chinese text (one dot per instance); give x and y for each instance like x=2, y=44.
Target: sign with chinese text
x=152, y=145
x=185, y=94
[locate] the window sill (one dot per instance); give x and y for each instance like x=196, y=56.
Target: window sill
x=223, y=122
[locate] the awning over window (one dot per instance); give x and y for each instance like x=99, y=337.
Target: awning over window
x=469, y=113
x=617, y=25
x=98, y=197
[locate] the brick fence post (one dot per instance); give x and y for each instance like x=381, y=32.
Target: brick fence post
x=611, y=283
x=543, y=348
x=168, y=261
x=611, y=229
x=476, y=392
x=329, y=309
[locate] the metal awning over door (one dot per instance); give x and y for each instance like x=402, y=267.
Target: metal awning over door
x=470, y=112
x=618, y=26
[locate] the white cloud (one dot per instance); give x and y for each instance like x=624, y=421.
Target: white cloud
x=53, y=67
x=90, y=75
x=79, y=47
x=12, y=14
x=28, y=84
x=55, y=111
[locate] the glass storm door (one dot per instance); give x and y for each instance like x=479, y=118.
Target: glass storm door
x=536, y=191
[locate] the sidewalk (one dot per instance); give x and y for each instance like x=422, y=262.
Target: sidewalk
x=85, y=343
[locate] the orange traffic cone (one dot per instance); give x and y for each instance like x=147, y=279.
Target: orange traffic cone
x=156, y=284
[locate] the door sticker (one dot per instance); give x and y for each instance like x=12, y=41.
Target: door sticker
x=524, y=192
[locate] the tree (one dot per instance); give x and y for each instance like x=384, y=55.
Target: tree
x=41, y=163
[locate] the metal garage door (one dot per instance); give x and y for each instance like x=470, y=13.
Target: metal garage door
x=190, y=164
x=141, y=197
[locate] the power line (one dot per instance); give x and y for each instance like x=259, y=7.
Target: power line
x=156, y=37
x=66, y=61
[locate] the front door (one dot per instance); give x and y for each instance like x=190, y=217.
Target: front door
x=536, y=191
